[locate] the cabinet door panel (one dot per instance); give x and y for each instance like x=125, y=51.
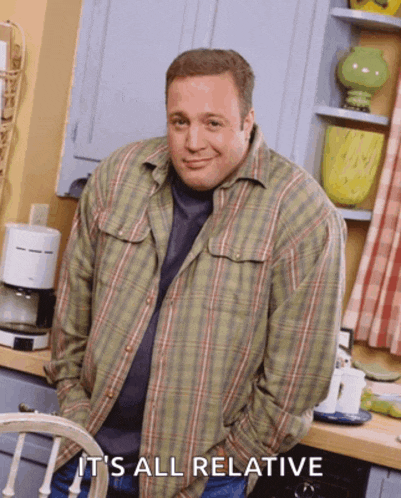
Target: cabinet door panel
x=123, y=52
x=390, y=489
x=274, y=39
x=131, y=53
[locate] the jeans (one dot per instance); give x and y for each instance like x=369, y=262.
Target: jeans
x=127, y=485
x=225, y=487
x=119, y=487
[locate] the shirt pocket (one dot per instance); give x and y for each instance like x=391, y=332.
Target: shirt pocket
x=239, y=251
x=124, y=249
x=241, y=271
x=125, y=228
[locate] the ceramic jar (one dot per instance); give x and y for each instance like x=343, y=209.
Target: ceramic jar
x=349, y=164
x=363, y=71
x=388, y=7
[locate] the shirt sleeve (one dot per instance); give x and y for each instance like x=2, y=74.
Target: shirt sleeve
x=304, y=321
x=72, y=318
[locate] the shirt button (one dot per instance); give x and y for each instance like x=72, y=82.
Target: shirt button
x=148, y=300
x=238, y=255
x=110, y=394
x=121, y=232
x=128, y=349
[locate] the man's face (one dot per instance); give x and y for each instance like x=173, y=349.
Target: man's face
x=206, y=140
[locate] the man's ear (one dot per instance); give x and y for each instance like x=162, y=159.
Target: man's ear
x=249, y=121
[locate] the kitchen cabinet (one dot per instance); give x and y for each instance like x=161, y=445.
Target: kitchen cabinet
x=15, y=388
x=341, y=476
x=383, y=483
x=311, y=473
x=125, y=47
x=276, y=43
x=117, y=92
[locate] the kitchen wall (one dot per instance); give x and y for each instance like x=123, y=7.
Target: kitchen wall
x=50, y=28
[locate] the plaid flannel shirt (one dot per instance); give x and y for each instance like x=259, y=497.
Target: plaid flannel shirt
x=246, y=338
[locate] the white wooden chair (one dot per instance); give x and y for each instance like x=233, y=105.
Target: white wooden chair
x=59, y=427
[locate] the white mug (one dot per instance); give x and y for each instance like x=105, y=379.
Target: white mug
x=352, y=384
x=329, y=404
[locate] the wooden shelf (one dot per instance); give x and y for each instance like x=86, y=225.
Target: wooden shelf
x=356, y=214
x=365, y=117
x=367, y=20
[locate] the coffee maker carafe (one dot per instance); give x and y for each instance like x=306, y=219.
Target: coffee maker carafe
x=27, y=275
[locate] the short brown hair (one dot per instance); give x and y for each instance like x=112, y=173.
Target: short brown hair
x=208, y=62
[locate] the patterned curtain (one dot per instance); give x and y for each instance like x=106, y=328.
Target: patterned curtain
x=374, y=308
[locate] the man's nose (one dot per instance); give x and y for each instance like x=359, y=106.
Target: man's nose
x=195, y=139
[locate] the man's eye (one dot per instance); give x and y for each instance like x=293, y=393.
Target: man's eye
x=179, y=123
x=214, y=125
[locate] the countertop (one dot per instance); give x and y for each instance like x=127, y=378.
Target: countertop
x=375, y=441
x=29, y=362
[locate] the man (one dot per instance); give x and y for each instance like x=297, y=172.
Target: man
x=200, y=296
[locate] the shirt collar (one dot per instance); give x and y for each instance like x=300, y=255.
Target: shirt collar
x=255, y=165
x=159, y=161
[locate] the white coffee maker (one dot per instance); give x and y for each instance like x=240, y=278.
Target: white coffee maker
x=27, y=275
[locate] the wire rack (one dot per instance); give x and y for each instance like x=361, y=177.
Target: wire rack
x=11, y=89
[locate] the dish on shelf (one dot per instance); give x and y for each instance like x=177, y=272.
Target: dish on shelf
x=344, y=418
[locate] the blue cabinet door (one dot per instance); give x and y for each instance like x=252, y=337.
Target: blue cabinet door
x=274, y=38
x=125, y=48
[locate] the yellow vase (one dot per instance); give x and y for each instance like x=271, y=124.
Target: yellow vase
x=388, y=7
x=350, y=161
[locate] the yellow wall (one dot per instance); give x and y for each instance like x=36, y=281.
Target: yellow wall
x=50, y=28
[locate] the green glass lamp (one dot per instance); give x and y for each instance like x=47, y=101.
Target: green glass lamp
x=363, y=71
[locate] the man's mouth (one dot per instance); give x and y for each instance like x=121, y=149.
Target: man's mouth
x=197, y=163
